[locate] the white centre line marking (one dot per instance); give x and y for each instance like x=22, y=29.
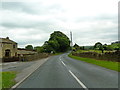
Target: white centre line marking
x=60, y=57
x=78, y=81
x=63, y=63
x=81, y=84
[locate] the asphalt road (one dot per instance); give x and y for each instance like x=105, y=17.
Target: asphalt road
x=16, y=66
x=63, y=72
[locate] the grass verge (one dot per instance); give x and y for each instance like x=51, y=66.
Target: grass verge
x=8, y=79
x=107, y=64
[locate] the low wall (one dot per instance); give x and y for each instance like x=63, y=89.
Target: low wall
x=10, y=59
x=109, y=56
x=35, y=56
x=26, y=58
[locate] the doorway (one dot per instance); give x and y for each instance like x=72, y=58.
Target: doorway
x=7, y=53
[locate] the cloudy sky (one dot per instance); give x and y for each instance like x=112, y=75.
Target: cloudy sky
x=32, y=22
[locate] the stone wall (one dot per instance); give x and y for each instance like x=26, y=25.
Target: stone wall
x=109, y=56
x=26, y=58
x=35, y=56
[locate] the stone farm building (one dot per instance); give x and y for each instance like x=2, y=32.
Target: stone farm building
x=9, y=48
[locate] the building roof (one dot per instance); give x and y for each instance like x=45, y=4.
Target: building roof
x=7, y=40
x=25, y=49
x=25, y=52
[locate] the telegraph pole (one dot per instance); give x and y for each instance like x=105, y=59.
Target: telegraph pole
x=71, y=43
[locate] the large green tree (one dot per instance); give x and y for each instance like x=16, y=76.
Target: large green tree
x=58, y=42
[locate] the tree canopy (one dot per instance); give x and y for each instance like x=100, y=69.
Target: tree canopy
x=39, y=49
x=76, y=46
x=29, y=47
x=58, y=42
x=98, y=46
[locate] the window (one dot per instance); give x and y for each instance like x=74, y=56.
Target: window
x=13, y=46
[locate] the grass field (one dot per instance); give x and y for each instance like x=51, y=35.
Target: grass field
x=8, y=79
x=107, y=64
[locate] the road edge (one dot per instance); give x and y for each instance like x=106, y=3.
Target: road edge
x=17, y=84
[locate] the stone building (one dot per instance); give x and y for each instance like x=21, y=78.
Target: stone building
x=8, y=48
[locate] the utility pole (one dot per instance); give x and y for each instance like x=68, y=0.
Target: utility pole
x=71, y=43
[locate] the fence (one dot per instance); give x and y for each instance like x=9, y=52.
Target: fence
x=26, y=57
x=109, y=56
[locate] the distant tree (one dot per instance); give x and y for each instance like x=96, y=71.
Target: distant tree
x=105, y=46
x=82, y=48
x=29, y=47
x=76, y=46
x=98, y=46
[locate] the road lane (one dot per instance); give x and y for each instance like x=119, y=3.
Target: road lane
x=92, y=75
x=52, y=74
x=63, y=72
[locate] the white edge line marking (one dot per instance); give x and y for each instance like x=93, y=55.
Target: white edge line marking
x=63, y=63
x=78, y=81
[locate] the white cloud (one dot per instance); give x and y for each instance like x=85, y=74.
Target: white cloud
x=89, y=20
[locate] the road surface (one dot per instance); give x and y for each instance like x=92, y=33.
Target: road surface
x=63, y=72
x=15, y=66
